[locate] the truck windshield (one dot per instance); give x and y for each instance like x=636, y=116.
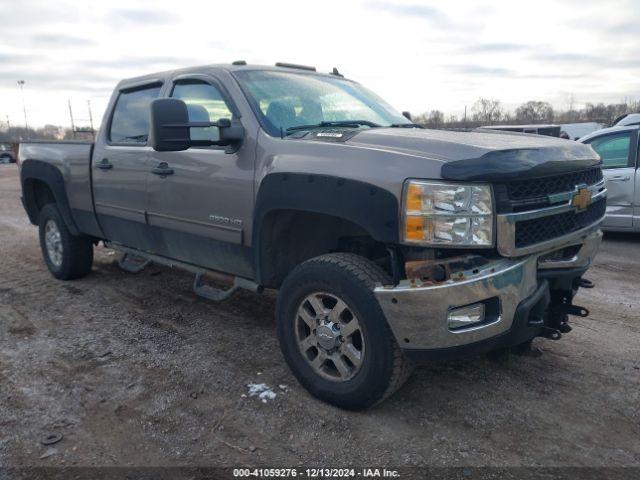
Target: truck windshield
x=284, y=100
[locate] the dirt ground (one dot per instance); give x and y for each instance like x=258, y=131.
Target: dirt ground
x=137, y=370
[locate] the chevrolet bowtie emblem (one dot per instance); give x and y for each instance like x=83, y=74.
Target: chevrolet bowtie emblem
x=581, y=199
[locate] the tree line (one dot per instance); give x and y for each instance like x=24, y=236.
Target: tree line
x=48, y=132
x=489, y=111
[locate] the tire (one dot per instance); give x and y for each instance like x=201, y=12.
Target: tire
x=67, y=256
x=375, y=365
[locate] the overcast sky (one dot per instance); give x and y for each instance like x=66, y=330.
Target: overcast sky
x=418, y=55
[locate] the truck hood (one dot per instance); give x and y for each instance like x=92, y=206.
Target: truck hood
x=476, y=155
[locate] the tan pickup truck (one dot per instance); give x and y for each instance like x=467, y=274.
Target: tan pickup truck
x=390, y=244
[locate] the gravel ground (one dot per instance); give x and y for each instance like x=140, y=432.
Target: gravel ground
x=137, y=370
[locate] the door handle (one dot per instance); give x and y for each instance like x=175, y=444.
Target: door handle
x=105, y=164
x=619, y=178
x=162, y=169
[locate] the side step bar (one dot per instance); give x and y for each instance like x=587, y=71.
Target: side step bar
x=134, y=261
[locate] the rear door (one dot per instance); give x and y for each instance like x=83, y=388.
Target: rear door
x=121, y=167
x=618, y=151
x=202, y=206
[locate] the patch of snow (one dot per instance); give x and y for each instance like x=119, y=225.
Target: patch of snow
x=262, y=391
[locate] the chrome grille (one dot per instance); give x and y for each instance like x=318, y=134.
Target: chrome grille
x=537, y=230
x=541, y=187
x=538, y=214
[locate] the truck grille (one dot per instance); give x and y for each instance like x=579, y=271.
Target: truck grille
x=541, y=187
x=531, y=232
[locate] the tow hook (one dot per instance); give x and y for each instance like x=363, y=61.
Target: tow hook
x=584, y=283
x=551, y=333
x=566, y=309
x=564, y=327
x=560, y=320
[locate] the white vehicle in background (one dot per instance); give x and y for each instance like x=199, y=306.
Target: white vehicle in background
x=618, y=148
x=581, y=129
x=626, y=120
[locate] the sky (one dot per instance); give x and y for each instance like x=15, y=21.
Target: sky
x=418, y=55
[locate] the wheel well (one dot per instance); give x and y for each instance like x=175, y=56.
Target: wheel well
x=37, y=194
x=289, y=237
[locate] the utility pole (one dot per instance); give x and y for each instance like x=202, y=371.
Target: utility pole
x=73, y=127
x=93, y=132
x=24, y=108
x=8, y=124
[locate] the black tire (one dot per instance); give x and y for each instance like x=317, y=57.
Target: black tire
x=352, y=279
x=76, y=251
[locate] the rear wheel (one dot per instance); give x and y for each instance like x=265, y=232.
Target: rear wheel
x=334, y=335
x=67, y=256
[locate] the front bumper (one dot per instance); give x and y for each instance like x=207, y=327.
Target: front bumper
x=511, y=290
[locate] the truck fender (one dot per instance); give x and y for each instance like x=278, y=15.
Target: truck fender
x=52, y=177
x=372, y=208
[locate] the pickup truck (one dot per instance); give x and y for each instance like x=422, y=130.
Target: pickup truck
x=390, y=245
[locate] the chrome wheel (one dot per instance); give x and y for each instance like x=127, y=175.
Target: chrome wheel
x=329, y=337
x=53, y=242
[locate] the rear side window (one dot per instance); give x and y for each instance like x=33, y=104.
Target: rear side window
x=613, y=149
x=130, y=122
x=205, y=104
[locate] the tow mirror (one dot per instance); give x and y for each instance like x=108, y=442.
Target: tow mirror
x=170, y=128
x=407, y=115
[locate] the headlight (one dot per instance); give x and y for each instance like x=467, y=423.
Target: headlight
x=438, y=213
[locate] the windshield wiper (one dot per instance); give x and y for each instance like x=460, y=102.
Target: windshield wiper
x=335, y=123
x=405, y=125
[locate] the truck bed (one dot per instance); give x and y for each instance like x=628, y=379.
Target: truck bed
x=72, y=159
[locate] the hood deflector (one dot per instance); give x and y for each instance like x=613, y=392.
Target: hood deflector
x=505, y=165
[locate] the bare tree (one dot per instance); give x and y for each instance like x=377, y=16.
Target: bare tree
x=487, y=110
x=596, y=112
x=435, y=119
x=534, y=112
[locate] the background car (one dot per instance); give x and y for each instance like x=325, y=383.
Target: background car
x=627, y=119
x=7, y=154
x=618, y=147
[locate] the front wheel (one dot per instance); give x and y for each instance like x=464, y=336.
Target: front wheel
x=333, y=334
x=67, y=256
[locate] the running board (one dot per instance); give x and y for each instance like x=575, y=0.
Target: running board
x=134, y=261
x=218, y=294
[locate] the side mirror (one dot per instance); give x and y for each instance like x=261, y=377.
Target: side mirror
x=407, y=115
x=170, y=128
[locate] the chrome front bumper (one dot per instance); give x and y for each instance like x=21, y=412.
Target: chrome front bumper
x=417, y=315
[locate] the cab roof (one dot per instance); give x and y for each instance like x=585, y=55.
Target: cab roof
x=236, y=66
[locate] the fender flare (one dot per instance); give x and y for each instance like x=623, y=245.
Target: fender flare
x=51, y=176
x=373, y=208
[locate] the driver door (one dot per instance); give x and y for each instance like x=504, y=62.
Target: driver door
x=200, y=207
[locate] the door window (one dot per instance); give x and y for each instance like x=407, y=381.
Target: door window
x=130, y=122
x=613, y=149
x=205, y=104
